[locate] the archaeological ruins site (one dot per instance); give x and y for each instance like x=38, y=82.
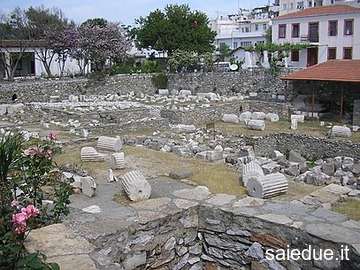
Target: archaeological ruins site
x=210, y=173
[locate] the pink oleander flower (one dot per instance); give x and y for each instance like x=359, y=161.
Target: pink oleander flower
x=48, y=153
x=20, y=228
x=19, y=219
x=14, y=203
x=30, y=211
x=52, y=136
x=32, y=151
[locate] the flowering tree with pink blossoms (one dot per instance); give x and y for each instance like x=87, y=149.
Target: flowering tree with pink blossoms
x=100, y=43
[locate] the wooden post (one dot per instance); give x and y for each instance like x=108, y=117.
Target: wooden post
x=342, y=104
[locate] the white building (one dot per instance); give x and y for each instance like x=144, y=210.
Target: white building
x=334, y=32
x=244, y=29
x=30, y=64
x=290, y=6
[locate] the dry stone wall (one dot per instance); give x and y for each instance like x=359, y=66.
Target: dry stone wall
x=311, y=148
x=259, y=84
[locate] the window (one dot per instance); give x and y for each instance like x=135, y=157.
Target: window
x=295, y=56
x=284, y=6
x=245, y=43
x=235, y=45
x=256, y=27
x=347, y=53
x=331, y=53
x=292, y=6
x=282, y=30
x=295, y=32
x=264, y=26
x=310, y=4
x=314, y=32
x=348, y=27
x=333, y=28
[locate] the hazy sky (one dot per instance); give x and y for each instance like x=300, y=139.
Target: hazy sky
x=125, y=11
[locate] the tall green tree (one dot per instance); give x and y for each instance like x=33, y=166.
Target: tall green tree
x=175, y=28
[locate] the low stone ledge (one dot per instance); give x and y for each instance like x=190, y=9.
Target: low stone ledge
x=192, y=228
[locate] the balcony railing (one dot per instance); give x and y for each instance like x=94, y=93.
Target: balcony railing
x=310, y=38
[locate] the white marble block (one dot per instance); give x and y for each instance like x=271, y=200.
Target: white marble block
x=163, y=92
x=117, y=161
x=340, y=131
x=88, y=186
x=256, y=125
x=73, y=98
x=267, y=186
x=185, y=93
x=251, y=170
x=136, y=187
x=214, y=155
x=245, y=116
x=299, y=118
x=89, y=154
x=258, y=116
x=272, y=117
x=109, y=143
x=294, y=124
x=230, y=118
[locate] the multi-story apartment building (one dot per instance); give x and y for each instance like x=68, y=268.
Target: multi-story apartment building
x=243, y=29
x=332, y=31
x=289, y=6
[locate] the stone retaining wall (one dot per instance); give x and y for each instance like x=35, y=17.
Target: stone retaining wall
x=310, y=147
x=193, y=229
x=259, y=84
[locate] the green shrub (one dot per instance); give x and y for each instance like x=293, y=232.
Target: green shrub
x=27, y=167
x=129, y=67
x=160, y=81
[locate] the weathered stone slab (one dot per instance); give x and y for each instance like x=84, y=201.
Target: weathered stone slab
x=184, y=204
x=57, y=240
x=221, y=199
x=248, y=202
x=153, y=204
x=198, y=194
x=278, y=219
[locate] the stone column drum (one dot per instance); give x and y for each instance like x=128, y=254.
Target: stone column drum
x=117, y=161
x=109, y=143
x=267, y=186
x=251, y=170
x=89, y=154
x=136, y=187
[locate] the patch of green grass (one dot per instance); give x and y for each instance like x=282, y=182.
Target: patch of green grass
x=219, y=178
x=350, y=208
x=296, y=191
x=71, y=155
